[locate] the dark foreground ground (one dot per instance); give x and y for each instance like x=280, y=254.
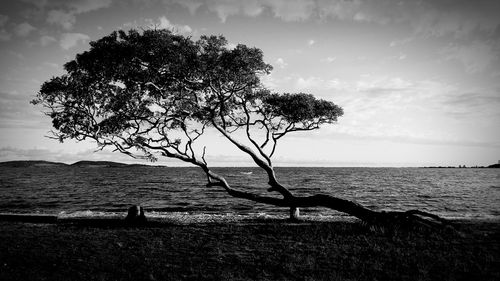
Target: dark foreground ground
x=254, y=250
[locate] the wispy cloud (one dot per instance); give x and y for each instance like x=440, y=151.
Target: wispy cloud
x=291, y=10
x=23, y=29
x=3, y=19
x=15, y=111
x=191, y=5
x=70, y=40
x=312, y=83
x=47, y=40
x=76, y=6
x=4, y=35
x=161, y=22
x=64, y=13
x=62, y=18
x=329, y=59
x=19, y=30
x=401, y=110
x=475, y=57
x=280, y=62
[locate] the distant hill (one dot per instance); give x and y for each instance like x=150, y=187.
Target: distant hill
x=30, y=163
x=98, y=164
x=80, y=164
x=494, y=166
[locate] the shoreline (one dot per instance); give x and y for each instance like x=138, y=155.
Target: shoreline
x=190, y=218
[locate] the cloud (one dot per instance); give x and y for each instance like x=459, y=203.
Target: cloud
x=46, y=40
x=162, y=22
x=343, y=10
x=10, y=153
x=70, y=40
x=56, y=155
x=472, y=99
x=382, y=85
x=4, y=35
x=20, y=30
x=308, y=83
x=456, y=20
x=15, y=111
x=76, y=6
x=64, y=13
x=84, y=6
x=191, y=5
x=475, y=57
x=65, y=19
x=281, y=63
x=399, y=42
x=397, y=109
x=287, y=10
x=3, y=20
x=223, y=9
x=226, y=8
x=426, y=18
x=424, y=111
x=23, y=29
x=329, y=59
x=482, y=102
x=51, y=64
x=316, y=83
x=41, y=4
x=291, y=10
x=390, y=108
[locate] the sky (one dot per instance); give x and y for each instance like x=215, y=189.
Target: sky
x=419, y=81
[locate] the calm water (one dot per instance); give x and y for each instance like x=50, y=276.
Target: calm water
x=452, y=193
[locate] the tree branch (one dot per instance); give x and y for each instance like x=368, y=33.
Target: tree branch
x=273, y=182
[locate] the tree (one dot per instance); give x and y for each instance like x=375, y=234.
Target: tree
x=154, y=93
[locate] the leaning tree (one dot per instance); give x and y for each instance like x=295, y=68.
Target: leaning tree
x=155, y=94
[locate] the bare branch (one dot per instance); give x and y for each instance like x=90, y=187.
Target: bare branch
x=262, y=153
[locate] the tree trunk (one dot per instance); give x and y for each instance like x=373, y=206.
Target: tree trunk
x=379, y=218
x=371, y=217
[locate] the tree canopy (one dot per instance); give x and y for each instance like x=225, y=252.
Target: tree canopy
x=154, y=92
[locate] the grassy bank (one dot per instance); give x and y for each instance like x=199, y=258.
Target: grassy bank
x=242, y=251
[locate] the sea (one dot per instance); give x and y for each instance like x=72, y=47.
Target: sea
x=99, y=191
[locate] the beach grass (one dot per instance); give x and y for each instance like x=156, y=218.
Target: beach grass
x=245, y=250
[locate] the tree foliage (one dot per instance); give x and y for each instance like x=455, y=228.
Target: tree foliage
x=136, y=91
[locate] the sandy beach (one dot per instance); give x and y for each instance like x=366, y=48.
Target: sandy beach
x=245, y=250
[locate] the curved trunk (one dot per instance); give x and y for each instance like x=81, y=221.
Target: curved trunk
x=351, y=208
x=320, y=200
x=334, y=203
x=344, y=206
